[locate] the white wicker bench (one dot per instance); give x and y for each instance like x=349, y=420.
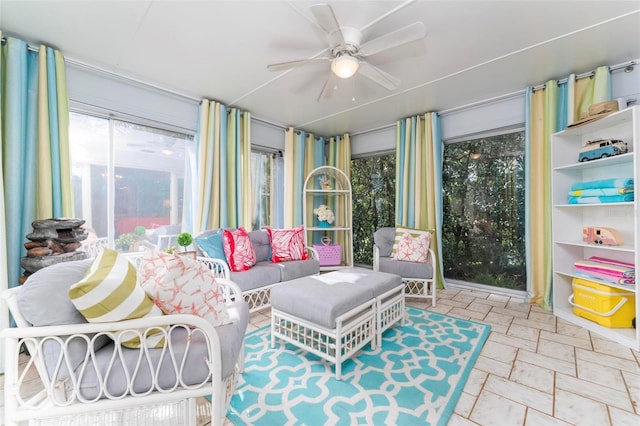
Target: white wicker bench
x=334, y=315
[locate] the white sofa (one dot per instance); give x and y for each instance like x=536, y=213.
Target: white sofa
x=85, y=372
x=257, y=282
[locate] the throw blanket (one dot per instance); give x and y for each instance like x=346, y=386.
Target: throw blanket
x=599, y=192
x=602, y=199
x=604, y=183
x=609, y=270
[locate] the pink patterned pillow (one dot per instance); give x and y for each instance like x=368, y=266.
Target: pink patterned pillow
x=287, y=244
x=412, y=249
x=180, y=285
x=238, y=249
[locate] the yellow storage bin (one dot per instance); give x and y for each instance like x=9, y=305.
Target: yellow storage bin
x=608, y=306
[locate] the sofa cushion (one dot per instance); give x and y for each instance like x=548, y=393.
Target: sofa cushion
x=298, y=268
x=211, y=245
x=262, y=274
x=109, y=292
x=287, y=244
x=384, y=238
x=238, y=249
x=406, y=269
x=179, y=285
x=413, y=249
x=261, y=245
x=231, y=337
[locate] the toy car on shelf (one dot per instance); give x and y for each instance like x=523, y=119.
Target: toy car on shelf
x=602, y=148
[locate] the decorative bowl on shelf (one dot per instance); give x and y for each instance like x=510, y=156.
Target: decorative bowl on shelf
x=323, y=224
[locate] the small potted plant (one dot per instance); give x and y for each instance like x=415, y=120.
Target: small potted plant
x=184, y=240
x=139, y=232
x=125, y=241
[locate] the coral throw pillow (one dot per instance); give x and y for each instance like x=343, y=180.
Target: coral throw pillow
x=287, y=244
x=238, y=249
x=109, y=292
x=400, y=231
x=412, y=249
x=180, y=285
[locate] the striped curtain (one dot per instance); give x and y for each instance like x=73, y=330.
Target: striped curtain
x=419, y=152
x=218, y=169
x=339, y=156
x=549, y=111
x=303, y=152
x=36, y=166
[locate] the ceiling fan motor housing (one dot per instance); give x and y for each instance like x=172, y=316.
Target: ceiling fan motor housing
x=345, y=41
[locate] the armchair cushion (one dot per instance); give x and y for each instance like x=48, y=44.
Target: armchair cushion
x=109, y=292
x=406, y=269
x=298, y=269
x=179, y=285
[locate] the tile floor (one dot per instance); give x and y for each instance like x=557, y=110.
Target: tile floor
x=534, y=368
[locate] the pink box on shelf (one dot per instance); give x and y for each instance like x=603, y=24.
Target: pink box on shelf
x=330, y=254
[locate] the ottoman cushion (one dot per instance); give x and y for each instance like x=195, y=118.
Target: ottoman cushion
x=318, y=299
x=378, y=282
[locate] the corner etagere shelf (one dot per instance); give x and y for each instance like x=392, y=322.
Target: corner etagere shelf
x=569, y=219
x=338, y=196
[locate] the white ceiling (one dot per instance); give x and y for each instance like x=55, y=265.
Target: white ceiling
x=474, y=50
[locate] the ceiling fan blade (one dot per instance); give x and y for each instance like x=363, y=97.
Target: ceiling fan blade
x=327, y=89
x=393, y=39
x=283, y=66
x=327, y=20
x=376, y=75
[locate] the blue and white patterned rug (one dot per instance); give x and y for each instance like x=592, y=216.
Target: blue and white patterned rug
x=415, y=378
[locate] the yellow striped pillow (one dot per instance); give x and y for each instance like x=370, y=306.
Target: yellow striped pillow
x=400, y=231
x=109, y=292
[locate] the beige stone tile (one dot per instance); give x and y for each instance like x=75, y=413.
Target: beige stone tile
x=493, y=366
x=479, y=307
x=516, y=342
x=517, y=305
x=452, y=303
x=545, y=317
x=533, y=376
x=536, y=418
x=593, y=391
x=524, y=332
x=621, y=417
x=475, y=382
x=491, y=302
x=497, y=328
x=466, y=313
x=601, y=374
x=568, y=329
x=499, y=298
x=606, y=346
x=556, y=350
x=579, y=410
x=492, y=409
x=457, y=420
x=524, y=395
x=633, y=385
x=535, y=324
x=546, y=362
x=512, y=312
x=567, y=340
x=476, y=294
x=499, y=351
x=465, y=404
x=608, y=360
x=440, y=308
x=464, y=298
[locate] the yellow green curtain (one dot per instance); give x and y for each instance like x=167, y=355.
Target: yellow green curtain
x=548, y=111
x=339, y=156
x=419, y=179
x=223, y=167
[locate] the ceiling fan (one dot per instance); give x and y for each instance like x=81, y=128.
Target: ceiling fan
x=347, y=53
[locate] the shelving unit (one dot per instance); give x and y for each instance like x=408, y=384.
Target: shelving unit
x=337, y=195
x=569, y=219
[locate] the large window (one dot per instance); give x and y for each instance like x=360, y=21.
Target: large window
x=483, y=211
x=127, y=178
x=373, y=182
x=262, y=174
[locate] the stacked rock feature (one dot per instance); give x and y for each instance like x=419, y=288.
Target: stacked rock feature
x=53, y=241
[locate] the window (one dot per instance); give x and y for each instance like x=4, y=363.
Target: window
x=483, y=211
x=137, y=188
x=262, y=166
x=373, y=181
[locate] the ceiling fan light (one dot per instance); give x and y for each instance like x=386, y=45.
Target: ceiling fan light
x=345, y=66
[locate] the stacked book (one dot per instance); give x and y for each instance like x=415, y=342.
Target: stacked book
x=607, y=270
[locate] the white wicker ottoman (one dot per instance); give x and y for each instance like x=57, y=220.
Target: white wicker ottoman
x=334, y=315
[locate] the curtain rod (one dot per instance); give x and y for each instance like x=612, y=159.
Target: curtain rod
x=626, y=66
